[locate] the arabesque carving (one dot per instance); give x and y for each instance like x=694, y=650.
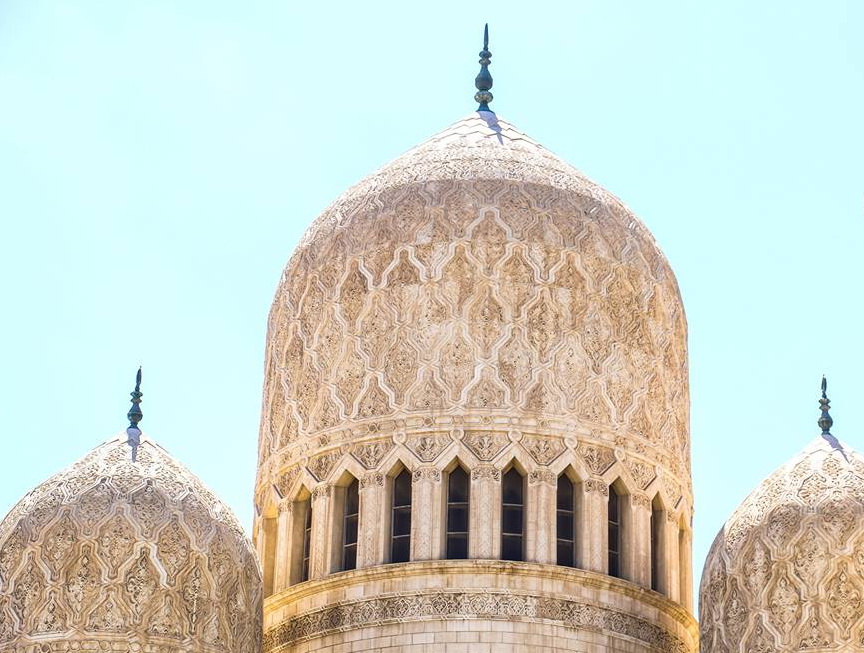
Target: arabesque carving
x=109, y=565
x=478, y=274
x=779, y=568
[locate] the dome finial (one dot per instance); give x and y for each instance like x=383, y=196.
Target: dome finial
x=135, y=415
x=825, y=422
x=483, y=81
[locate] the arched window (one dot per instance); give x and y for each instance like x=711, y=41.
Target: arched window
x=400, y=518
x=458, y=497
x=614, y=519
x=566, y=521
x=306, y=507
x=658, y=518
x=512, y=515
x=349, y=526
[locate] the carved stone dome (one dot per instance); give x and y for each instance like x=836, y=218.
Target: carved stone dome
x=477, y=277
x=786, y=572
x=139, y=555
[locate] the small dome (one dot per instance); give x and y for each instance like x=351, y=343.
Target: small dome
x=112, y=552
x=786, y=572
x=477, y=276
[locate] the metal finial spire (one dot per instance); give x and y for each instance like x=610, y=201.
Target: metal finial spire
x=483, y=81
x=135, y=415
x=825, y=422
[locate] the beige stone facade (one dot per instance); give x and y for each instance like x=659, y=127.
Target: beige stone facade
x=475, y=606
x=477, y=305
x=786, y=572
x=112, y=554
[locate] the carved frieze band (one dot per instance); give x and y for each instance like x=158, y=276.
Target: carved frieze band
x=462, y=605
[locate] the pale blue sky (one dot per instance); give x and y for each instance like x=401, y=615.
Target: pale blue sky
x=159, y=160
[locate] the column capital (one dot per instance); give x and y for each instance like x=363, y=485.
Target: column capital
x=596, y=485
x=285, y=506
x=372, y=479
x=427, y=473
x=542, y=477
x=321, y=491
x=641, y=501
x=486, y=472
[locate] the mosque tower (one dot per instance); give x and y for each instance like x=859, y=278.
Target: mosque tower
x=475, y=428
x=126, y=550
x=786, y=571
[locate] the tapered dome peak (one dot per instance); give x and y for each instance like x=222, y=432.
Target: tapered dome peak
x=111, y=551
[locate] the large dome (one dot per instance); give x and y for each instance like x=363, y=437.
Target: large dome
x=477, y=281
x=469, y=350
x=140, y=555
x=786, y=572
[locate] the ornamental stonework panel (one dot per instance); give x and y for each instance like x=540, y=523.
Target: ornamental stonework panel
x=497, y=605
x=472, y=277
x=782, y=577
x=129, y=554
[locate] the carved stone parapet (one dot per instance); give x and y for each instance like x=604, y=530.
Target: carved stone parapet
x=596, y=485
x=486, y=472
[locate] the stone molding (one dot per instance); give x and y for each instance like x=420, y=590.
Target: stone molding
x=418, y=606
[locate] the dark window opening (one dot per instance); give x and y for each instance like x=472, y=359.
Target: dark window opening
x=656, y=533
x=458, y=497
x=566, y=522
x=614, y=533
x=307, y=539
x=349, y=526
x=512, y=516
x=400, y=544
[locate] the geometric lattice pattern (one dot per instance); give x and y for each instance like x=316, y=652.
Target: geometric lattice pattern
x=115, y=555
x=478, y=274
x=786, y=573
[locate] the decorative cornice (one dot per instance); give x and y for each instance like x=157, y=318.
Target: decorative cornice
x=511, y=606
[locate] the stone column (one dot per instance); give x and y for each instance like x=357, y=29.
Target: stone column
x=673, y=580
x=685, y=568
x=373, y=521
x=284, y=528
x=484, y=528
x=426, y=514
x=593, y=528
x=322, y=533
x=640, y=540
x=540, y=517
